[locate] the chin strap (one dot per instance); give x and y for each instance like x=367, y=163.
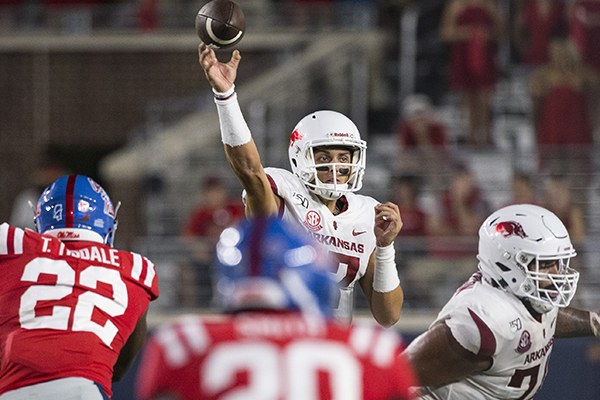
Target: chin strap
x=595, y=323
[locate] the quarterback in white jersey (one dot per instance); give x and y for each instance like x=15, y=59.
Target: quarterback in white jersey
x=343, y=235
x=493, y=339
x=327, y=157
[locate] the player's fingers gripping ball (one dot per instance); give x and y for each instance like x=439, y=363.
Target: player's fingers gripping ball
x=220, y=24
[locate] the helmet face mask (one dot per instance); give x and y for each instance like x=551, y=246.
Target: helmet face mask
x=555, y=289
x=526, y=250
x=74, y=208
x=327, y=129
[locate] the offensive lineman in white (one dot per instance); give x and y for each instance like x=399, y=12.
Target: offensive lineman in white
x=493, y=338
x=328, y=162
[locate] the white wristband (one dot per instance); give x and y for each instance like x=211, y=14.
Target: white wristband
x=385, y=276
x=595, y=320
x=234, y=130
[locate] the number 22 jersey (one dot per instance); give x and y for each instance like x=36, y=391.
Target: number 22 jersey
x=66, y=308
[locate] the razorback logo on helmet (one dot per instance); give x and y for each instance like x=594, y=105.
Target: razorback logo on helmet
x=108, y=207
x=296, y=135
x=510, y=228
x=67, y=235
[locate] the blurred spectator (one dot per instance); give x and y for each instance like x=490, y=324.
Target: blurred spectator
x=307, y=13
x=522, y=190
x=536, y=23
x=23, y=211
x=463, y=206
x=451, y=244
x=8, y=11
x=216, y=212
x=558, y=199
x=584, y=29
x=422, y=138
x=73, y=17
x=473, y=28
x=563, y=92
x=201, y=231
x=411, y=241
x=405, y=193
x=419, y=127
x=148, y=15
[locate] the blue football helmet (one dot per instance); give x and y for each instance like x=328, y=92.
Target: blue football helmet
x=267, y=264
x=75, y=207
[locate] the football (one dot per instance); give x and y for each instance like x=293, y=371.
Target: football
x=220, y=24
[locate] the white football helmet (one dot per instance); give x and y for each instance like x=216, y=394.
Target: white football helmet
x=517, y=236
x=327, y=128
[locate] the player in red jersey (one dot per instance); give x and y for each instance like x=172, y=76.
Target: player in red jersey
x=280, y=341
x=72, y=308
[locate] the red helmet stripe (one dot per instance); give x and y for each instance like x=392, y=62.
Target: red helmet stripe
x=69, y=201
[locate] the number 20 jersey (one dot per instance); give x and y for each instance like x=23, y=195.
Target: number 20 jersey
x=272, y=356
x=66, y=308
x=494, y=323
x=349, y=235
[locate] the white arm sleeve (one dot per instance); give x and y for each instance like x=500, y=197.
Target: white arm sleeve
x=234, y=130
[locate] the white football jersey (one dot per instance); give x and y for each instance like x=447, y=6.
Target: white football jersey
x=348, y=235
x=492, y=322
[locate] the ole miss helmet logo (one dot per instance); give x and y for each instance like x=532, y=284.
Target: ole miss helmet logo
x=296, y=135
x=510, y=228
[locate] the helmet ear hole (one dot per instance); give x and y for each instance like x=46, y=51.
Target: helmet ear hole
x=294, y=162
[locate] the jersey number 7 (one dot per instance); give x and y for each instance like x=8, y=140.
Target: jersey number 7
x=347, y=268
x=533, y=372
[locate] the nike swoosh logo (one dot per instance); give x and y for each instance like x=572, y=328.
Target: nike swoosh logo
x=354, y=233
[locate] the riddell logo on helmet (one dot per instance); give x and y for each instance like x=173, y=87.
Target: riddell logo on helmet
x=510, y=228
x=339, y=134
x=296, y=135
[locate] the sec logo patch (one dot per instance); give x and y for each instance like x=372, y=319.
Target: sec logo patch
x=313, y=221
x=524, y=342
